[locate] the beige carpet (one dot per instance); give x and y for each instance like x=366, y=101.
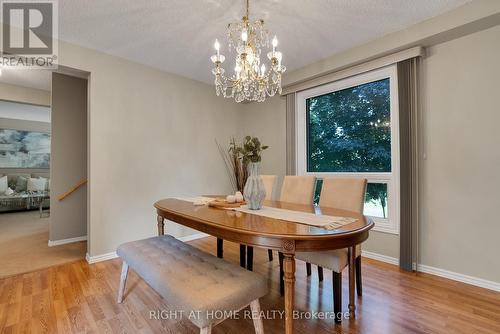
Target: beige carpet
x=23, y=244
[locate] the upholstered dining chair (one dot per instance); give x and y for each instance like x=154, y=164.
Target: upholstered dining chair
x=269, y=183
x=297, y=190
x=346, y=194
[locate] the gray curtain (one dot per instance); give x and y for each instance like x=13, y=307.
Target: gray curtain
x=408, y=138
x=290, y=134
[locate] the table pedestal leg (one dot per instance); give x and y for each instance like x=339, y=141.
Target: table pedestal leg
x=289, y=273
x=352, y=277
x=161, y=224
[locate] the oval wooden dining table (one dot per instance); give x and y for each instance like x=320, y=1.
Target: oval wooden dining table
x=281, y=235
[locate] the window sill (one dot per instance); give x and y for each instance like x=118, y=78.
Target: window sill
x=384, y=226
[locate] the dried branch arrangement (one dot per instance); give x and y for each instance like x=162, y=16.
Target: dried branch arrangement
x=237, y=158
x=235, y=166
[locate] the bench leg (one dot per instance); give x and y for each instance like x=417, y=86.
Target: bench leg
x=257, y=320
x=123, y=280
x=206, y=330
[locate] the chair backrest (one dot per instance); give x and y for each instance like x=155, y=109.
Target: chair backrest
x=269, y=182
x=298, y=189
x=345, y=194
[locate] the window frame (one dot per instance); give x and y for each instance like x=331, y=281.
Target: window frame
x=391, y=223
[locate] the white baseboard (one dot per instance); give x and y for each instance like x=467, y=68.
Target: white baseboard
x=113, y=255
x=66, y=241
x=101, y=257
x=480, y=282
x=380, y=257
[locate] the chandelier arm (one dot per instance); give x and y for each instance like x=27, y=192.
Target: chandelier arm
x=233, y=82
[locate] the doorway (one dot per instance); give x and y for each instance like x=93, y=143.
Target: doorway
x=42, y=124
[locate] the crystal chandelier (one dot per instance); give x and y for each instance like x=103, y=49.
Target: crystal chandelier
x=250, y=80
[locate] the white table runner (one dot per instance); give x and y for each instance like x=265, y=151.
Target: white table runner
x=317, y=220
x=197, y=200
x=324, y=221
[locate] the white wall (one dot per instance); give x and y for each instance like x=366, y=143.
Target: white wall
x=24, y=95
x=68, y=165
x=22, y=111
x=460, y=199
x=267, y=121
x=151, y=135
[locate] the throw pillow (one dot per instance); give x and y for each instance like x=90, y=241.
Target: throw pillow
x=3, y=184
x=36, y=184
x=21, y=184
x=9, y=192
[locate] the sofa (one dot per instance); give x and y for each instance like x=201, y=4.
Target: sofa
x=23, y=196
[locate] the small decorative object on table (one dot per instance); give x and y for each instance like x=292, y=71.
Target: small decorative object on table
x=221, y=203
x=239, y=197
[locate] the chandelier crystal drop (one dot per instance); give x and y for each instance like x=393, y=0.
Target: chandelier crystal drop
x=252, y=79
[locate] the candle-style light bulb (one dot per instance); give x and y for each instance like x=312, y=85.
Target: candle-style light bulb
x=262, y=69
x=250, y=58
x=244, y=35
x=275, y=43
x=217, y=47
x=237, y=69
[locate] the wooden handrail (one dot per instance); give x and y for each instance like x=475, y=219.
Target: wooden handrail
x=72, y=190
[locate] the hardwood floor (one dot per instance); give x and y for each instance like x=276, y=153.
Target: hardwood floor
x=81, y=298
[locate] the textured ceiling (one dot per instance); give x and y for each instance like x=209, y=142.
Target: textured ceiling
x=177, y=35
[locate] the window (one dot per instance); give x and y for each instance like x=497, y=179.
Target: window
x=349, y=128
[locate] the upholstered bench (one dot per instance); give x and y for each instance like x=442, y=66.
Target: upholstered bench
x=193, y=281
